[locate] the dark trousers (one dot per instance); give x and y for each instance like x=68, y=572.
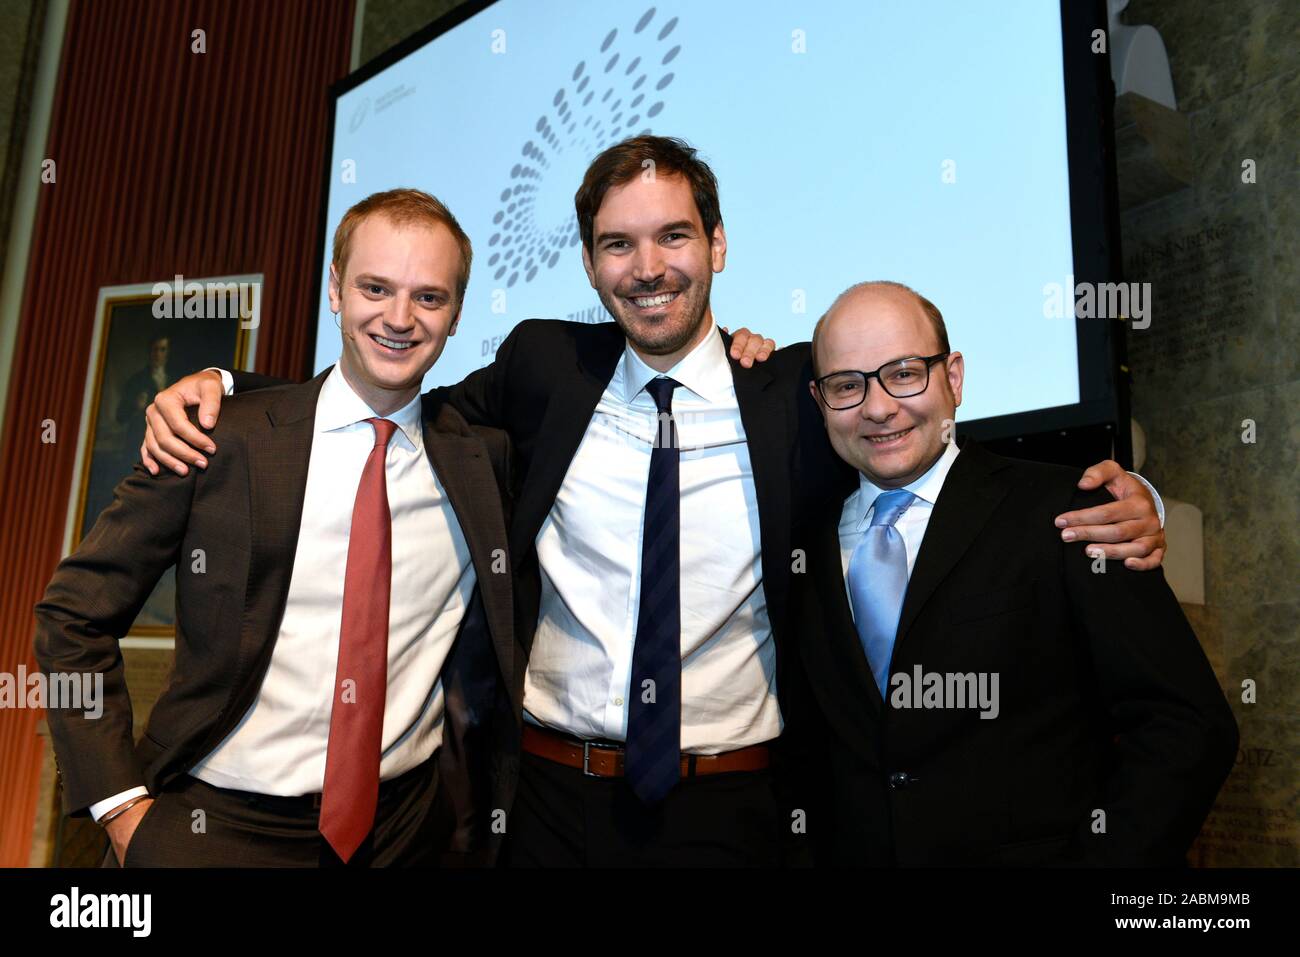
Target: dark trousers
x=193, y=824
x=563, y=818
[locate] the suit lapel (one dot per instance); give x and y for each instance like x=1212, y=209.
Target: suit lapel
x=970, y=494
x=840, y=632
x=568, y=413
x=462, y=466
x=766, y=416
x=277, y=458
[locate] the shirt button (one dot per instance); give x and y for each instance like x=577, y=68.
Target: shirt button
x=619, y=702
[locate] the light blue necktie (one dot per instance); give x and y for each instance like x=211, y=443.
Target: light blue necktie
x=878, y=582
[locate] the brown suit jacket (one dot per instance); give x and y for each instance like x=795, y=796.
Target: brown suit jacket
x=238, y=521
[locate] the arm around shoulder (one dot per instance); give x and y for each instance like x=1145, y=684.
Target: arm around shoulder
x=482, y=397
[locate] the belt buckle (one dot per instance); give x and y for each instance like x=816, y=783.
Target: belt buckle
x=586, y=757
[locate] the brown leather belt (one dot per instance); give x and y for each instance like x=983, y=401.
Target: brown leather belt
x=599, y=760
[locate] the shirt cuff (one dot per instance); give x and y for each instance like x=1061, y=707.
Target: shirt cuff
x=100, y=808
x=228, y=383
x=1160, y=505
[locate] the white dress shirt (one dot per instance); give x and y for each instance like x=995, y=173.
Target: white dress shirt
x=589, y=549
x=279, y=745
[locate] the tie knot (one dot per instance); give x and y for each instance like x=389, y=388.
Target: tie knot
x=384, y=429
x=660, y=389
x=890, y=505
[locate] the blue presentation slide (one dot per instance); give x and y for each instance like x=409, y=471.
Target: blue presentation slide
x=851, y=140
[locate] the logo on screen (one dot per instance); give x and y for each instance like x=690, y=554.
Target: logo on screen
x=359, y=115
x=611, y=94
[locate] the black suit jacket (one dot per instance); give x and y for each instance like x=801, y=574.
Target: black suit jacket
x=244, y=512
x=1106, y=699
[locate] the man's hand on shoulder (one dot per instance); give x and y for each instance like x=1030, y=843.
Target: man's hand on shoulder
x=170, y=438
x=1127, y=528
x=750, y=347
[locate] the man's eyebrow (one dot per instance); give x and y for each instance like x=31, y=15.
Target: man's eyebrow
x=907, y=355
x=680, y=226
x=887, y=362
x=433, y=287
x=366, y=279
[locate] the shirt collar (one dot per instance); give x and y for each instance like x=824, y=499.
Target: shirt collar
x=339, y=407
x=704, y=370
x=926, y=488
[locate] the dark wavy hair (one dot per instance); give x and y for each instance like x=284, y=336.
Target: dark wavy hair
x=625, y=161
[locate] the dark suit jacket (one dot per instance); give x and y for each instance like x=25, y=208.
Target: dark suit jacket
x=1106, y=699
x=244, y=512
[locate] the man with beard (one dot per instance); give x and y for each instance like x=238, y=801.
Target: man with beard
x=650, y=538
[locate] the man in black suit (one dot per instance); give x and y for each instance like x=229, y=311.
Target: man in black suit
x=621, y=614
x=335, y=695
x=991, y=695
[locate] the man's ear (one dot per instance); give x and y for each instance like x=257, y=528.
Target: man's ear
x=336, y=293
x=817, y=398
x=588, y=265
x=718, y=248
x=956, y=370
x=456, y=322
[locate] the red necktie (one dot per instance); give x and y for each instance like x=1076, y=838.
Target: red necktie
x=351, y=791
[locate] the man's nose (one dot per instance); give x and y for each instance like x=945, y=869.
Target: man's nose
x=878, y=405
x=648, y=263
x=400, y=317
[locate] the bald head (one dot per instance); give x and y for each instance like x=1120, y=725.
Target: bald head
x=858, y=304
x=891, y=385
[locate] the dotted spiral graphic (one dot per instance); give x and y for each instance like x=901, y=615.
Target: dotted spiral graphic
x=607, y=96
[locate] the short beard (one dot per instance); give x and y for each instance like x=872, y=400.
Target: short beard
x=615, y=304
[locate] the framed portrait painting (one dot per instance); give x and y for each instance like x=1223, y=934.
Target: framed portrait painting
x=146, y=337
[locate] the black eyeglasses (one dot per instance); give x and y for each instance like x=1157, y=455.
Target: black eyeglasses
x=901, y=378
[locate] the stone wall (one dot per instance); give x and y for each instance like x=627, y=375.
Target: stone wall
x=1220, y=360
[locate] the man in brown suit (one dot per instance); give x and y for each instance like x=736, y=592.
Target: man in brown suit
x=344, y=637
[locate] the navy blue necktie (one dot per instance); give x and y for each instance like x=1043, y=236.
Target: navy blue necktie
x=654, y=720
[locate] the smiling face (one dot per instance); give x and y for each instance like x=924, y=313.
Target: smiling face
x=893, y=442
x=652, y=266
x=397, y=305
